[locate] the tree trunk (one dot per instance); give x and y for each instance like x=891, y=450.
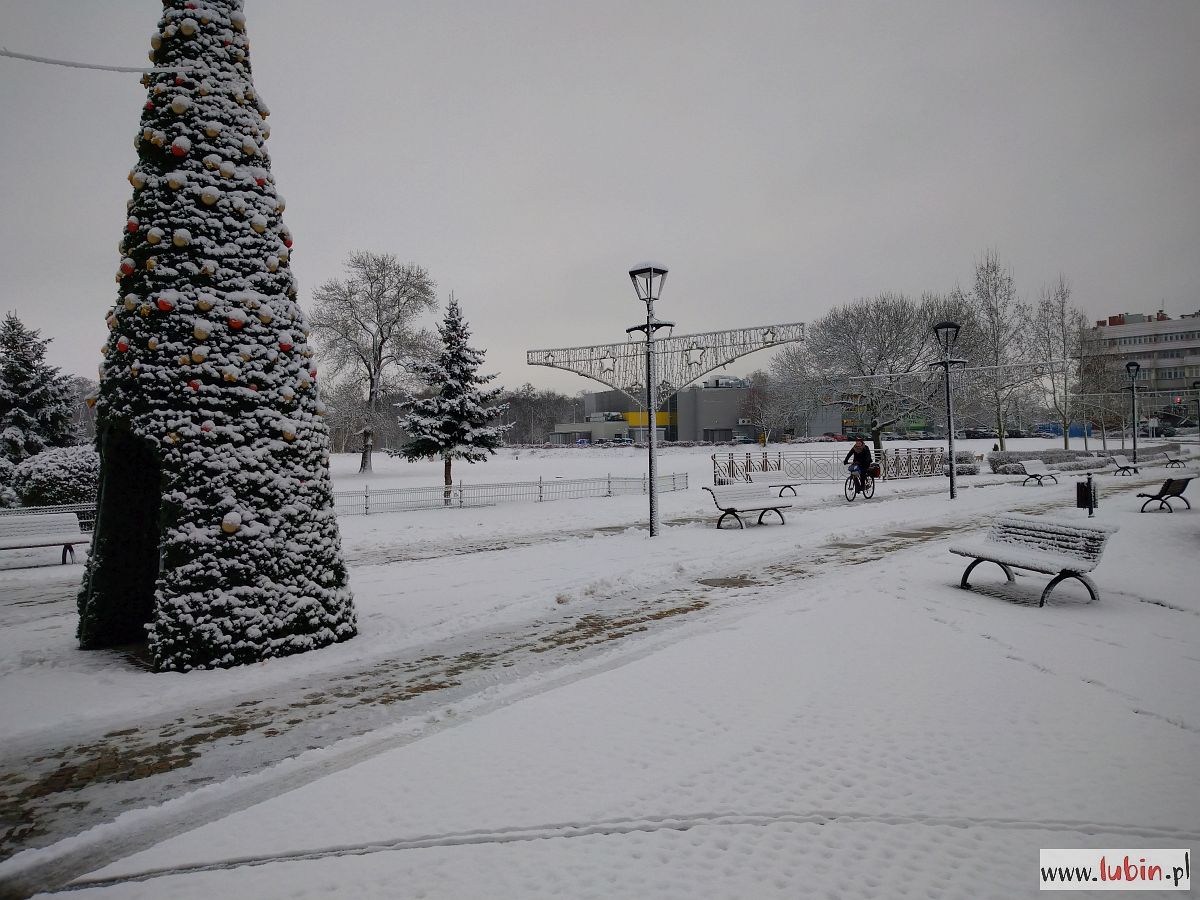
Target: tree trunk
x=364, y=464
x=1000, y=424
x=449, y=481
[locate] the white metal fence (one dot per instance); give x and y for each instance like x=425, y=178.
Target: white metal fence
x=368, y=501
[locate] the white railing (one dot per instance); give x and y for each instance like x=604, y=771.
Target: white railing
x=367, y=501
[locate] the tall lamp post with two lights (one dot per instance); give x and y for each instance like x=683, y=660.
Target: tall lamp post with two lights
x=648, y=279
x=947, y=337
x=1131, y=369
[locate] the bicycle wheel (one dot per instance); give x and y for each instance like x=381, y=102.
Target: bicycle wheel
x=868, y=487
x=851, y=491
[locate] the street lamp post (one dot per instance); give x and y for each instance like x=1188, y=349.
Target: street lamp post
x=648, y=279
x=1132, y=368
x=947, y=336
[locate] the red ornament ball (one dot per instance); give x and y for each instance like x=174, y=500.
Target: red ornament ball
x=194, y=385
x=149, y=104
x=131, y=226
x=165, y=304
x=122, y=345
x=287, y=242
x=176, y=150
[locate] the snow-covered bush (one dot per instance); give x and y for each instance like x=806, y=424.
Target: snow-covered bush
x=8, y=497
x=1009, y=469
x=58, y=476
x=1083, y=464
x=962, y=468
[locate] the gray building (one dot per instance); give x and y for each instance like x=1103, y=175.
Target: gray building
x=1168, y=351
x=711, y=411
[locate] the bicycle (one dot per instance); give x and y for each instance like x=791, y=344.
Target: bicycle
x=852, y=488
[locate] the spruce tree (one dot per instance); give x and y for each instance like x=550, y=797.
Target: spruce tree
x=215, y=534
x=453, y=423
x=35, y=398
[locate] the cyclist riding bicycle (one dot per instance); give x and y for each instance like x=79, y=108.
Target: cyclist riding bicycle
x=860, y=453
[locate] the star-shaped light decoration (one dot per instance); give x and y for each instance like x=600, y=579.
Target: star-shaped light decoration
x=768, y=336
x=695, y=354
x=665, y=389
x=549, y=357
x=608, y=364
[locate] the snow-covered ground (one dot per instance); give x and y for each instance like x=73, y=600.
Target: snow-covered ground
x=806, y=710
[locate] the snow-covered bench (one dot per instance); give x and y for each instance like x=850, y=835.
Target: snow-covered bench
x=1174, y=462
x=1172, y=488
x=737, y=499
x=21, y=532
x=781, y=480
x=1036, y=470
x=1053, y=547
x=1124, y=466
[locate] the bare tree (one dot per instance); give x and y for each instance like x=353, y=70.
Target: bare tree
x=888, y=335
x=767, y=405
x=367, y=327
x=1056, y=335
x=996, y=335
x=533, y=413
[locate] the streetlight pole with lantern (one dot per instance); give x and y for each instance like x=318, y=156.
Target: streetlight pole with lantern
x=648, y=279
x=1131, y=369
x=947, y=337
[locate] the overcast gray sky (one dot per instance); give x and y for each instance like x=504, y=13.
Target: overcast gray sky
x=779, y=157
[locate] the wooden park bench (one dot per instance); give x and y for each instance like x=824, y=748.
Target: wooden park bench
x=1035, y=470
x=781, y=480
x=1050, y=546
x=1172, y=489
x=738, y=499
x=1124, y=466
x=21, y=532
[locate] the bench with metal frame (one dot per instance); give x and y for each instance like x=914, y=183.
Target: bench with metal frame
x=1124, y=466
x=1036, y=470
x=1039, y=544
x=738, y=499
x=774, y=479
x=1172, y=489
x=24, y=532
x=1173, y=462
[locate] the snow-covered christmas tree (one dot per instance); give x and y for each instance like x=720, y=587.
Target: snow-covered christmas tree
x=35, y=398
x=455, y=422
x=215, y=533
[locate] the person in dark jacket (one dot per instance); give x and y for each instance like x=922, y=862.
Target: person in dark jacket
x=860, y=453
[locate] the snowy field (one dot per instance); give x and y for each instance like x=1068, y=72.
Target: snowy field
x=812, y=709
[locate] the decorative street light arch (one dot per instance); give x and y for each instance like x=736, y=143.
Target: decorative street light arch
x=679, y=360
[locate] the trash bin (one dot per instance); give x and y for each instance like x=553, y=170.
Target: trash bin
x=1086, y=496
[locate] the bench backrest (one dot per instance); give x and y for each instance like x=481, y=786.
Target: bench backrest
x=1122, y=461
x=730, y=495
x=40, y=524
x=1174, y=487
x=1085, y=542
x=1035, y=467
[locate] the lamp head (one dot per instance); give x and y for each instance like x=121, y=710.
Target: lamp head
x=1132, y=368
x=947, y=335
x=648, y=279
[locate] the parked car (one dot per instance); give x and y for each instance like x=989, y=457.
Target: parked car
x=622, y=441
x=833, y=436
